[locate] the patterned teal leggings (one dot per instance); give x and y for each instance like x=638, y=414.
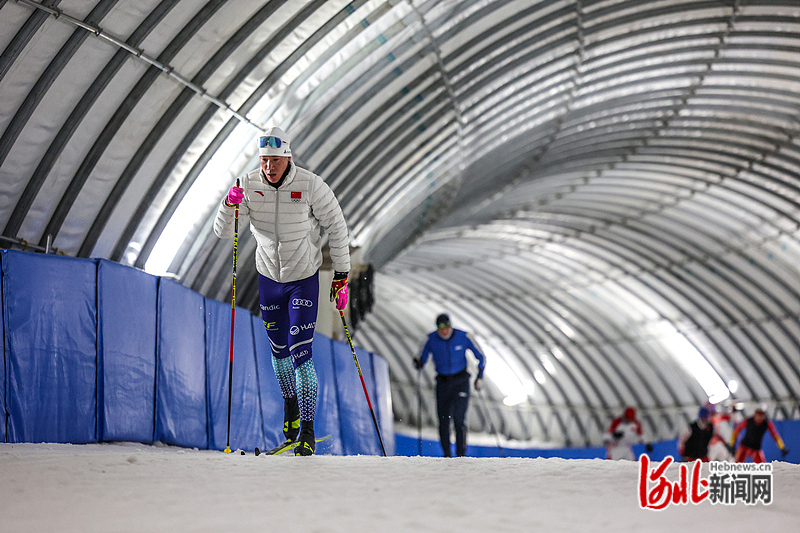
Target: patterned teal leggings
x=301, y=382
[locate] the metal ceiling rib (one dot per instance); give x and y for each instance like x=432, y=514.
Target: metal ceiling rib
x=127, y=106
x=605, y=192
x=48, y=77
x=23, y=37
x=79, y=113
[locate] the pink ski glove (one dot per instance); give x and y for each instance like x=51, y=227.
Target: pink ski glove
x=339, y=290
x=235, y=196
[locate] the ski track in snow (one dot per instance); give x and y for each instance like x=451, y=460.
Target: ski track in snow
x=124, y=487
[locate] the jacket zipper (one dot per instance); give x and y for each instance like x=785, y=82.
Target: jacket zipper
x=450, y=354
x=277, y=236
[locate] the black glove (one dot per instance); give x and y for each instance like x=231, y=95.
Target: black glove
x=617, y=435
x=417, y=363
x=648, y=447
x=784, y=452
x=479, y=379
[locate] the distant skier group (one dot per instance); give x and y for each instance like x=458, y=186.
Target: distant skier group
x=712, y=436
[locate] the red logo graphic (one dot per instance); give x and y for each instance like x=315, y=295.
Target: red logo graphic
x=663, y=492
x=296, y=195
x=259, y=192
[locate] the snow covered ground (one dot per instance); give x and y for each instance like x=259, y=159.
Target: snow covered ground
x=134, y=487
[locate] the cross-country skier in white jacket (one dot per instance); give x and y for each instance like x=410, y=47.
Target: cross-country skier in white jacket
x=287, y=206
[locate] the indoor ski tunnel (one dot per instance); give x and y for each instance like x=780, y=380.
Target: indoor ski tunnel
x=604, y=193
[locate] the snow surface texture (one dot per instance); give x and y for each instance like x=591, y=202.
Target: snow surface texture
x=134, y=487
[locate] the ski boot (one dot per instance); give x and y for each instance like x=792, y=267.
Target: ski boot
x=291, y=419
x=291, y=424
x=307, y=443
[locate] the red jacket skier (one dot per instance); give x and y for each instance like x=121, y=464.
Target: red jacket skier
x=754, y=429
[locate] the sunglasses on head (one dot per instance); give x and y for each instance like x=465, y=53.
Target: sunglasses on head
x=271, y=141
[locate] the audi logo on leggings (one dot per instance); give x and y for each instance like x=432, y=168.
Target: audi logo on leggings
x=302, y=302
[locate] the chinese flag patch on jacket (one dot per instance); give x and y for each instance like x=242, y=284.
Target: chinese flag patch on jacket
x=297, y=196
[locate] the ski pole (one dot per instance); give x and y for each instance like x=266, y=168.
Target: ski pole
x=419, y=411
x=491, y=424
x=364, y=385
x=233, y=317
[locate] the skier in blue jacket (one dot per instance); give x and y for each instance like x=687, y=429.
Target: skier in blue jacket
x=449, y=347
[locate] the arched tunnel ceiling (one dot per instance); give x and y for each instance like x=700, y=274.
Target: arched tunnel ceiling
x=605, y=193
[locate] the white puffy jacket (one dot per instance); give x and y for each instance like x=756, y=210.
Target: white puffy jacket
x=286, y=224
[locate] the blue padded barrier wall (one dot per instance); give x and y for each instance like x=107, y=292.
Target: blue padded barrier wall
x=2, y=366
x=246, y=429
x=358, y=430
x=181, y=407
x=94, y=350
x=126, y=349
x=407, y=445
x=269, y=391
x=51, y=349
x=383, y=402
x=327, y=421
